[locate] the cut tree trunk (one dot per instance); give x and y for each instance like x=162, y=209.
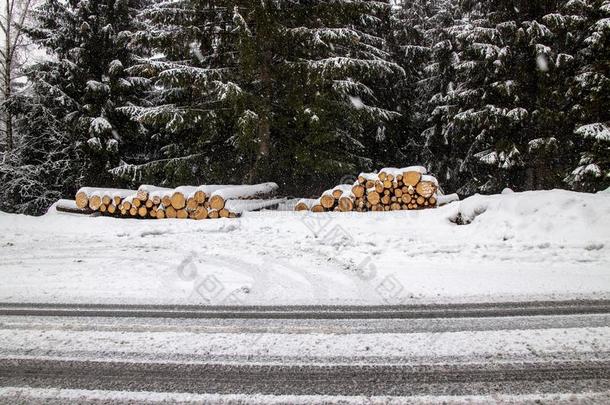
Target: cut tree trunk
x=373, y=198
x=200, y=213
x=358, y=190
x=346, y=203
x=178, y=201
x=327, y=200
x=426, y=188
x=411, y=178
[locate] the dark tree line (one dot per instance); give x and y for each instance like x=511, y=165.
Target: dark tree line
x=487, y=94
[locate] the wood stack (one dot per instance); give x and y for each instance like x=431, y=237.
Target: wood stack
x=391, y=189
x=200, y=202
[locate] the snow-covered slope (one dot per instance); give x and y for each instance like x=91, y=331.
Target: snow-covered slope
x=513, y=246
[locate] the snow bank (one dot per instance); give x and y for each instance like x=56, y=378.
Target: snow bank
x=519, y=246
x=553, y=216
x=38, y=395
x=446, y=199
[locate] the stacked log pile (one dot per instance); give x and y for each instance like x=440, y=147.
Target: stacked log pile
x=194, y=202
x=391, y=189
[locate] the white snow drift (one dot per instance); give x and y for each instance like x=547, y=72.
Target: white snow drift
x=513, y=246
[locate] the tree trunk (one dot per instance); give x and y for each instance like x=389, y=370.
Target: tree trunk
x=8, y=118
x=264, y=123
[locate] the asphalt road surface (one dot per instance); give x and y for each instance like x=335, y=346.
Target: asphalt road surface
x=564, y=340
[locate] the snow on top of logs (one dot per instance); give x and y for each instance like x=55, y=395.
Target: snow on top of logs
x=307, y=202
x=208, y=189
x=236, y=192
x=369, y=176
x=110, y=192
x=345, y=188
x=395, y=171
x=129, y=198
x=68, y=204
x=430, y=179
x=241, y=206
x=420, y=169
x=155, y=191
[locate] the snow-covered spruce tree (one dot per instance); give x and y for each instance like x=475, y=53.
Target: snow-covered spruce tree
x=408, y=45
x=588, y=28
x=283, y=90
x=77, y=90
x=508, y=125
x=44, y=165
x=431, y=50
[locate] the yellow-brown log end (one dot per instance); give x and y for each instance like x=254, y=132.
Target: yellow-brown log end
x=200, y=213
x=426, y=188
x=191, y=204
x=82, y=200
x=327, y=201
x=301, y=206
x=217, y=202
x=358, y=190
x=142, y=195
x=317, y=208
x=95, y=202
x=170, y=212
x=199, y=196
x=373, y=197
x=178, y=201
x=346, y=204
x=411, y=178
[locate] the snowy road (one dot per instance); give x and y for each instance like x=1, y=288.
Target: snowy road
x=392, y=380
x=474, y=310
x=477, y=350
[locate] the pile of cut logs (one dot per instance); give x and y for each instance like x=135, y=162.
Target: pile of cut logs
x=390, y=189
x=194, y=202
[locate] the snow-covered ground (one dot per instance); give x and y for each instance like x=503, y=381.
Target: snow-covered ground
x=303, y=348
x=43, y=395
x=515, y=246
